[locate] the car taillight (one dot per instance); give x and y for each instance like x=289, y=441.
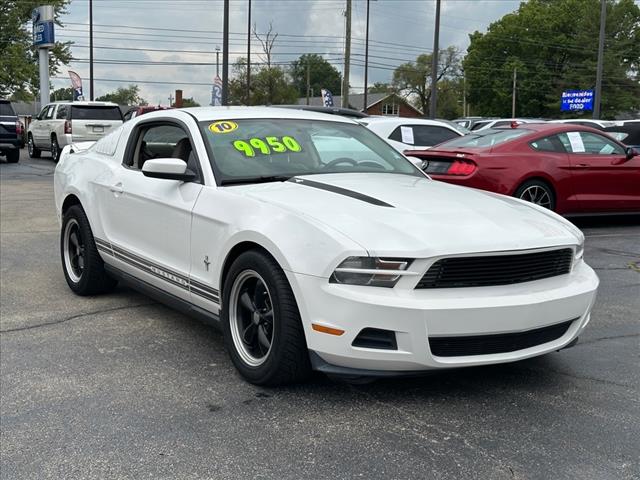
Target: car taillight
x=461, y=167
x=18, y=127
x=67, y=126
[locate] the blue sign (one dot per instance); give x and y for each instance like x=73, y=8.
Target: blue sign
x=43, y=27
x=573, y=100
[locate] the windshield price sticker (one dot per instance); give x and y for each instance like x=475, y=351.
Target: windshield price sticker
x=267, y=145
x=223, y=126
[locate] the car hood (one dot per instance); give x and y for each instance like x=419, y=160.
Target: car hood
x=393, y=214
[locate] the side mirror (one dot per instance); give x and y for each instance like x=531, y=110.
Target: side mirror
x=168, y=169
x=631, y=152
x=418, y=162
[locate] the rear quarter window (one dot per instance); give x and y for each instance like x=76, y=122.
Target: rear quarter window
x=95, y=113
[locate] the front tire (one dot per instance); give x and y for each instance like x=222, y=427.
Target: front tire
x=83, y=268
x=538, y=192
x=261, y=322
x=34, y=152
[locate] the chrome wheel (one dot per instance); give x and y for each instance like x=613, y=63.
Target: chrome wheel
x=54, y=149
x=538, y=195
x=30, y=146
x=251, y=318
x=74, y=250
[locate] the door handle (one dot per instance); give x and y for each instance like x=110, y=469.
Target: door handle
x=582, y=165
x=117, y=188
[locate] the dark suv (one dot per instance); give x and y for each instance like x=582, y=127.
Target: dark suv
x=10, y=132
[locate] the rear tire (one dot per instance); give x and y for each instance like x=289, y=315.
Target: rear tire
x=34, y=152
x=55, y=149
x=538, y=192
x=261, y=322
x=83, y=268
x=13, y=156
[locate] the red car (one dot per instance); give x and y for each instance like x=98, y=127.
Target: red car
x=570, y=169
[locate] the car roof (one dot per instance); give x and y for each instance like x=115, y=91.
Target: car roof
x=229, y=113
x=85, y=103
x=405, y=120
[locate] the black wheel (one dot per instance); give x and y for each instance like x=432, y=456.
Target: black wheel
x=31, y=147
x=13, y=156
x=261, y=322
x=55, y=149
x=538, y=192
x=83, y=268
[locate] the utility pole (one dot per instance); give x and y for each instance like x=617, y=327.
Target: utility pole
x=225, y=54
x=91, y=50
x=464, y=95
x=366, y=63
x=603, y=22
x=217, y=61
x=308, y=79
x=434, y=64
x=347, y=54
x=513, y=92
x=249, y=56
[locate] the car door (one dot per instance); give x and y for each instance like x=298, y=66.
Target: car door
x=41, y=128
x=604, y=179
x=147, y=221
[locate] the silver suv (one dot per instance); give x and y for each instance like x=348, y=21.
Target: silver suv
x=62, y=123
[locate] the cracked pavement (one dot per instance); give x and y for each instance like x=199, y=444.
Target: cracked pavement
x=119, y=386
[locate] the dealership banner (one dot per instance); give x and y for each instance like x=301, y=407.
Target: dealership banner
x=576, y=100
x=76, y=84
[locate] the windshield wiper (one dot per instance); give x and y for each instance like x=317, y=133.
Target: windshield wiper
x=260, y=179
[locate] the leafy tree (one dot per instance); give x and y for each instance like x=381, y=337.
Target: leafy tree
x=62, y=94
x=18, y=60
x=553, y=45
x=413, y=79
x=189, y=102
x=124, y=96
x=321, y=75
x=380, y=87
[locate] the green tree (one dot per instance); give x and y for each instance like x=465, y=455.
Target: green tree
x=189, y=102
x=321, y=75
x=553, y=45
x=381, y=87
x=124, y=96
x=413, y=79
x=18, y=60
x=62, y=94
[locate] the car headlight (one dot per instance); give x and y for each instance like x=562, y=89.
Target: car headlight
x=370, y=271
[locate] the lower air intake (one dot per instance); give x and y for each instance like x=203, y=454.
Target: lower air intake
x=497, y=343
x=376, y=338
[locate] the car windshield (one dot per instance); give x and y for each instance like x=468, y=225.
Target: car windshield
x=255, y=150
x=486, y=138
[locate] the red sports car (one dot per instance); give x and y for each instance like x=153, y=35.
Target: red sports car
x=571, y=169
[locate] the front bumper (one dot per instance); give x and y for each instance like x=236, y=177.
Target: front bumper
x=416, y=315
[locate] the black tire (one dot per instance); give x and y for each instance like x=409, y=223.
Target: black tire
x=13, y=156
x=287, y=358
x=86, y=276
x=538, y=192
x=55, y=149
x=34, y=152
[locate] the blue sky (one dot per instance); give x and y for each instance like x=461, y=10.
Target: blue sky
x=188, y=31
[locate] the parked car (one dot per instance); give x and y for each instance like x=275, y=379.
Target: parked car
x=469, y=122
x=344, y=112
x=10, y=132
x=245, y=217
x=63, y=123
x=626, y=131
x=587, y=122
x=502, y=122
x=134, y=112
x=566, y=168
x=404, y=133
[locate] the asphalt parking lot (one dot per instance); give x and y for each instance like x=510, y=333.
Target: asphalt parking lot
x=119, y=386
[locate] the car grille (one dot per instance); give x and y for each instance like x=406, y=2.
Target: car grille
x=496, y=343
x=489, y=270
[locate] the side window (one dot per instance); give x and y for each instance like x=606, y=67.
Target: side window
x=49, y=114
x=422, y=135
x=504, y=123
x=162, y=141
x=590, y=143
x=62, y=112
x=549, y=144
x=42, y=113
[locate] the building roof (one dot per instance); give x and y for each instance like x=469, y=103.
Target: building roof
x=356, y=101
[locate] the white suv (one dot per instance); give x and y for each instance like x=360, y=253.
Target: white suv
x=62, y=123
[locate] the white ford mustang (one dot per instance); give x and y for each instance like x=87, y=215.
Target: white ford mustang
x=315, y=245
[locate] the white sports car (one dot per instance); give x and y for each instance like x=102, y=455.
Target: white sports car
x=315, y=245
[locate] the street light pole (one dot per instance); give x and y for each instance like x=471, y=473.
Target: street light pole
x=91, y=50
x=366, y=62
x=434, y=64
x=249, y=56
x=603, y=22
x=347, y=54
x=225, y=54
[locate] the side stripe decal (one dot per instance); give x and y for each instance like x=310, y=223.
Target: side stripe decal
x=159, y=271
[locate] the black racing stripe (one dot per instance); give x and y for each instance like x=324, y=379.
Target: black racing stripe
x=147, y=262
x=200, y=293
x=204, y=287
x=340, y=191
x=147, y=269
